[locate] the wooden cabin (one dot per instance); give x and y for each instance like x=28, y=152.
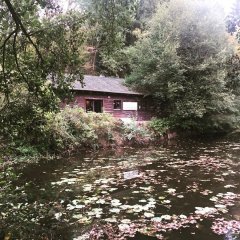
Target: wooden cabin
x=107, y=94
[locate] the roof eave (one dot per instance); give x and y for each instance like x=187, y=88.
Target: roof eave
x=125, y=93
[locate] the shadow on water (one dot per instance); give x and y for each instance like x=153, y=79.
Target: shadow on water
x=184, y=191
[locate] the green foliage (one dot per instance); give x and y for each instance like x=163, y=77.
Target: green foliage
x=136, y=133
x=160, y=126
x=233, y=75
x=72, y=128
x=40, y=57
x=112, y=27
x=182, y=61
x=109, y=22
x=146, y=9
x=26, y=150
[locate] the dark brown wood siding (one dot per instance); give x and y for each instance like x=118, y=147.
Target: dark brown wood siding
x=142, y=114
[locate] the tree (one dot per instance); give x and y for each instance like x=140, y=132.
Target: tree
x=147, y=8
x=182, y=61
x=233, y=18
x=40, y=55
x=109, y=22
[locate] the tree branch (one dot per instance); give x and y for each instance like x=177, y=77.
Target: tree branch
x=3, y=47
x=16, y=60
x=18, y=22
x=8, y=37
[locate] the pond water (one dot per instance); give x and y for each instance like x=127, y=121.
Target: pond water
x=182, y=191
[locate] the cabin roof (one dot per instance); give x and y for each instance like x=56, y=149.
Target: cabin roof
x=103, y=84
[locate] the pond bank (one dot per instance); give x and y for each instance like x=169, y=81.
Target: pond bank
x=72, y=131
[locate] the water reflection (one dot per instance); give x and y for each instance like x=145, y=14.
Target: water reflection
x=230, y=236
x=130, y=174
x=174, y=193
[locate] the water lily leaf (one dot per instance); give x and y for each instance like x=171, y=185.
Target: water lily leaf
x=125, y=207
x=75, y=201
x=114, y=210
x=58, y=215
x=205, y=210
x=85, y=220
x=77, y=216
x=166, y=217
x=111, y=220
x=171, y=191
x=156, y=219
x=115, y=203
x=101, y=201
x=180, y=196
x=79, y=206
x=229, y=186
x=166, y=201
x=70, y=207
x=214, y=199
x=148, y=214
x=135, y=192
x=183, y=216
x=220, y=206
x=126, y=221
x=123, y=227
x=146, y=188
x=87, y=189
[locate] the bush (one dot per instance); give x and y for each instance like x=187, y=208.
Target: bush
x=136, y=133
x=72, y=127
x=159, y=126
x=26, y=150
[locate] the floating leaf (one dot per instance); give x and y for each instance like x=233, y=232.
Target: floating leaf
x=58, y=215
x=114, y=210
x=126, y=221
x=115, y=203
x=111, y=220
x=148, y=214
x=124, y=227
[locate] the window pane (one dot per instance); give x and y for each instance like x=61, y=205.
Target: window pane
x=117, y=104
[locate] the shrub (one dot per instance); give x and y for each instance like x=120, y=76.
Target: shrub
x=26, y=150
x=159, y=126
x=72, y=127
x=136, y=133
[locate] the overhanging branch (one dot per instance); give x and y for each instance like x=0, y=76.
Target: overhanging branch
x=7, y=38
x=19, y=23
x=3, y=47
x=16, y=59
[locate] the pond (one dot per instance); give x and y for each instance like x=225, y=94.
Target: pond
x=183, y=191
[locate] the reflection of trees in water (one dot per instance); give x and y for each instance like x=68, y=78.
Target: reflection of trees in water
x=161, y=177
x=230, y=236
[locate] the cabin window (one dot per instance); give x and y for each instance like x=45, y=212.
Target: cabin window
x=117, y=104
x=93, y=105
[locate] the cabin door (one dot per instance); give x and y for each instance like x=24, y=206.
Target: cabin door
x=93, y=105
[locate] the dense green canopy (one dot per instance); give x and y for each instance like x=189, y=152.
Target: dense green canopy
x=177, y=50
x=182, y=61
x=38, y=46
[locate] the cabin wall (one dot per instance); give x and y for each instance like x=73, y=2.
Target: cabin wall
x=143, y=114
